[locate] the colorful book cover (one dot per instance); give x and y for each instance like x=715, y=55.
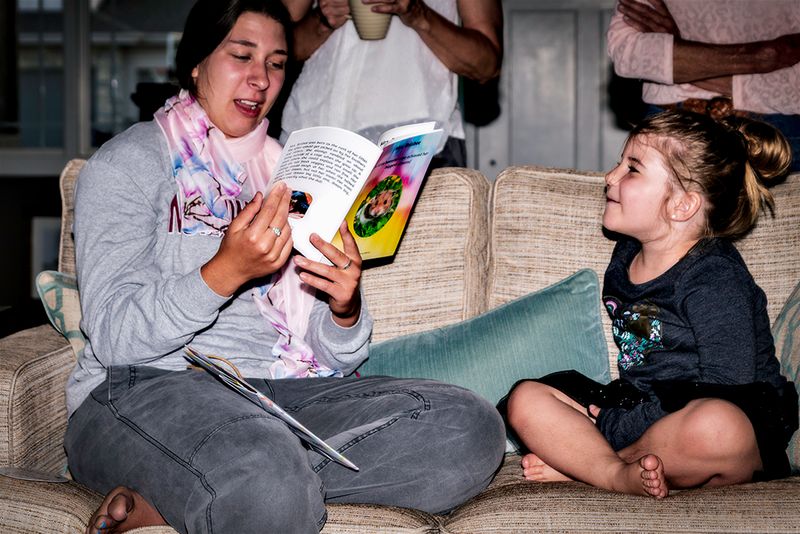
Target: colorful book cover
x=378, y=217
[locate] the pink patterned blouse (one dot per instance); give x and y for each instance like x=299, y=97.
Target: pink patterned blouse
x=648, y=56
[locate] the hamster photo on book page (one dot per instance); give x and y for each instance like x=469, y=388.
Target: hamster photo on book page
x=380, y=212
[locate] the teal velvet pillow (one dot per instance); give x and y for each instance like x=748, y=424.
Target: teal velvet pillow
x=553, y=329
x=59, y=295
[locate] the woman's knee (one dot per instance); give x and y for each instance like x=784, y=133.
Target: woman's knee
x=469, y=424
x=464, y=445
x=257, y=479
x=483, y=427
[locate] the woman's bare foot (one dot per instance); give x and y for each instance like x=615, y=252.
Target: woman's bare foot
x=122, y=510
x=643, y=476
x=533, y=468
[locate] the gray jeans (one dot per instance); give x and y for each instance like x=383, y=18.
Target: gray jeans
x=211, y=461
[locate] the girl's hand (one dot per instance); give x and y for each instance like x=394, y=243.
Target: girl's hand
x=340, y=281
x=593, y=412
x=257, y=243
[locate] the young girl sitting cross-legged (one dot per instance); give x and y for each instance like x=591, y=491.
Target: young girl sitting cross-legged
x=700, y=400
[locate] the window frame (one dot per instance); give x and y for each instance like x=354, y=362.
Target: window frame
x=22, y=162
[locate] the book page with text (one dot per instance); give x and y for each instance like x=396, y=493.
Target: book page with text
x=325, y=168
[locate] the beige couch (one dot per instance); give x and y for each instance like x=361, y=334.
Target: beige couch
x=471, y=245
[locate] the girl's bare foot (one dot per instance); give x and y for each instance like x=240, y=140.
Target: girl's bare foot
x=643, y=476
x=533, y=468
x=122, y=510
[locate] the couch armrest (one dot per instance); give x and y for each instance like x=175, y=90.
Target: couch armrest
x=45, y=507
x=34, y=367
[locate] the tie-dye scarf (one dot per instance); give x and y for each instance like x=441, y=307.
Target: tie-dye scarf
x=210, y=180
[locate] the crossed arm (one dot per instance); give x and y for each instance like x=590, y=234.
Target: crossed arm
x=709, y=66
x=473, y=50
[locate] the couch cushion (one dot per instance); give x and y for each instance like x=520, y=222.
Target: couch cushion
x=546, y=223
x=512, y=504
x=373, y=518
x=45, y=507
x=355, y=519
x=553, y=329
x=438, y=275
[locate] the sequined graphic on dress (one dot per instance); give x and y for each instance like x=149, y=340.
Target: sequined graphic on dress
x=636, y=330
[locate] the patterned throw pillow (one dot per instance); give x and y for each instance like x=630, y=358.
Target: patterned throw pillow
x=59, y=294
x=786, y=331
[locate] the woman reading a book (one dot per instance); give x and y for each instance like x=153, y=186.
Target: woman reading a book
x=178, y=244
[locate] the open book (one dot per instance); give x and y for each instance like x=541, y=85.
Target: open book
x=256, y=397
x=336, y=174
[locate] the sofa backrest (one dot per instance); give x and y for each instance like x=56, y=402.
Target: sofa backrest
x=546, y=224
x=66, y=252
x=439, y=274
x=471, y=245
x=772, y=249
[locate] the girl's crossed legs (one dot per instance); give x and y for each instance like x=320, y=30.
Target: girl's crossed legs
x=710, y=442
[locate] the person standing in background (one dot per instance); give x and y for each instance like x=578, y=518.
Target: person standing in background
x=409, y=76
x=718, y=57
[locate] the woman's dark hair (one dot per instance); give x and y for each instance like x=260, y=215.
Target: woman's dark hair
x=209, y=22
x=728, y=161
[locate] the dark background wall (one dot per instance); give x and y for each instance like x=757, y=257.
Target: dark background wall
x=25, y=198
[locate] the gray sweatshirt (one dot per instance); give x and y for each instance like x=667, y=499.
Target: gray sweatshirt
x=142, y=296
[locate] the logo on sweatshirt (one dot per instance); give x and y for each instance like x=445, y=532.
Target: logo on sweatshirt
x=183, y=219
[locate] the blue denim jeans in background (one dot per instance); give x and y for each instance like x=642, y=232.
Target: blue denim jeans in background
x=213, y=462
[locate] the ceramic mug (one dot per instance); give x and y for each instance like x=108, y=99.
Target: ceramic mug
x=369, y=25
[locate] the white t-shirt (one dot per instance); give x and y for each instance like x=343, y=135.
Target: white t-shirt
x=371, y=86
